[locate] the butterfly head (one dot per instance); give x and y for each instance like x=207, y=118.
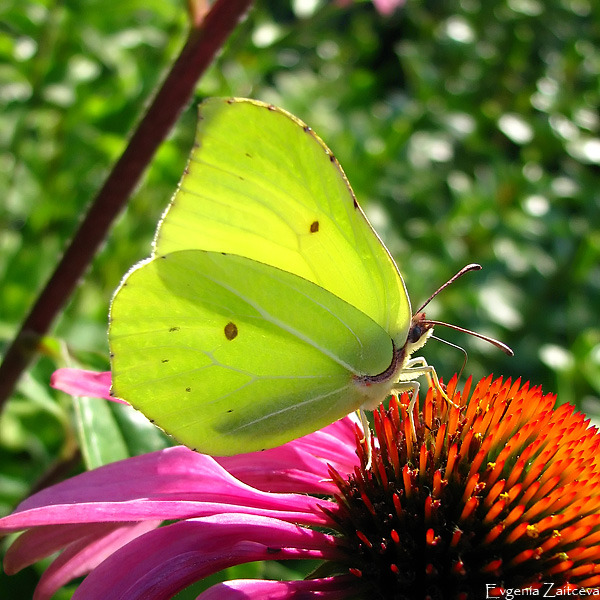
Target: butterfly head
x=419, y=332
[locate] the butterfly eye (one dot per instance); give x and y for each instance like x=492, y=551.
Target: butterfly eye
x=415, y=333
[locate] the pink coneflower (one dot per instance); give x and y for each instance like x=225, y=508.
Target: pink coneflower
x=501, y=494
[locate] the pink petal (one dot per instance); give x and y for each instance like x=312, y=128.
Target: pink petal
x=300, y=465
x=84, y=514
x=289, y=469
x=79, y=382
x=330, y=588
x=173, y=474
x=335, y=443
x=167, y=560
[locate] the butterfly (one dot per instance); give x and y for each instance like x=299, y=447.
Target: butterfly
x=269, y=307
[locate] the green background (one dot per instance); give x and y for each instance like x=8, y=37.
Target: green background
x=468, y=129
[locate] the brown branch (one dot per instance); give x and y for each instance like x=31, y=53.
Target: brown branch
x=203, y=43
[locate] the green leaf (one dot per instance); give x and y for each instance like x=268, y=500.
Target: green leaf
x=101, y=439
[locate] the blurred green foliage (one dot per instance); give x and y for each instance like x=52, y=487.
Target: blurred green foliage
x=469, y=130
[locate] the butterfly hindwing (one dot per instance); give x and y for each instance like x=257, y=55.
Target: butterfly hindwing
x=230, y=355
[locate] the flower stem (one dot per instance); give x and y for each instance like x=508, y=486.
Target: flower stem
x=203, y=43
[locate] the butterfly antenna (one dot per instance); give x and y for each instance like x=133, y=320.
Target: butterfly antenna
x=466, y=269
x=497, y=343
x=434, y=337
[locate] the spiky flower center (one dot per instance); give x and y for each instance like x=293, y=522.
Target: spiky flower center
x=502, y=493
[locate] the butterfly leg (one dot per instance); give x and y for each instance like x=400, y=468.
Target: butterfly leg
x=417, y=367
x=366, y=427
x=412, y=386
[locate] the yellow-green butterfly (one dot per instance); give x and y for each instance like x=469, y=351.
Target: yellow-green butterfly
x=270, y=307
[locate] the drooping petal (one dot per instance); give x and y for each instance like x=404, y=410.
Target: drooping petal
x=79, y=382
x=86, y=554
x=330, y=588
x=167, y=560
x=175, y=483
x=175, y=475
x=34, y=545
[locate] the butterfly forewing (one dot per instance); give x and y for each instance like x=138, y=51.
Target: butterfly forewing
x=263, y=185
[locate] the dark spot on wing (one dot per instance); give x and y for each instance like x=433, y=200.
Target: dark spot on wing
x=355, y=203
x=164, y=360
x=314, y=227
x=332, y=158
x=173, y=329
x=230, y=410
x=307, y=129
x=231, y=331
x=248, y=155
x=188, y=389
